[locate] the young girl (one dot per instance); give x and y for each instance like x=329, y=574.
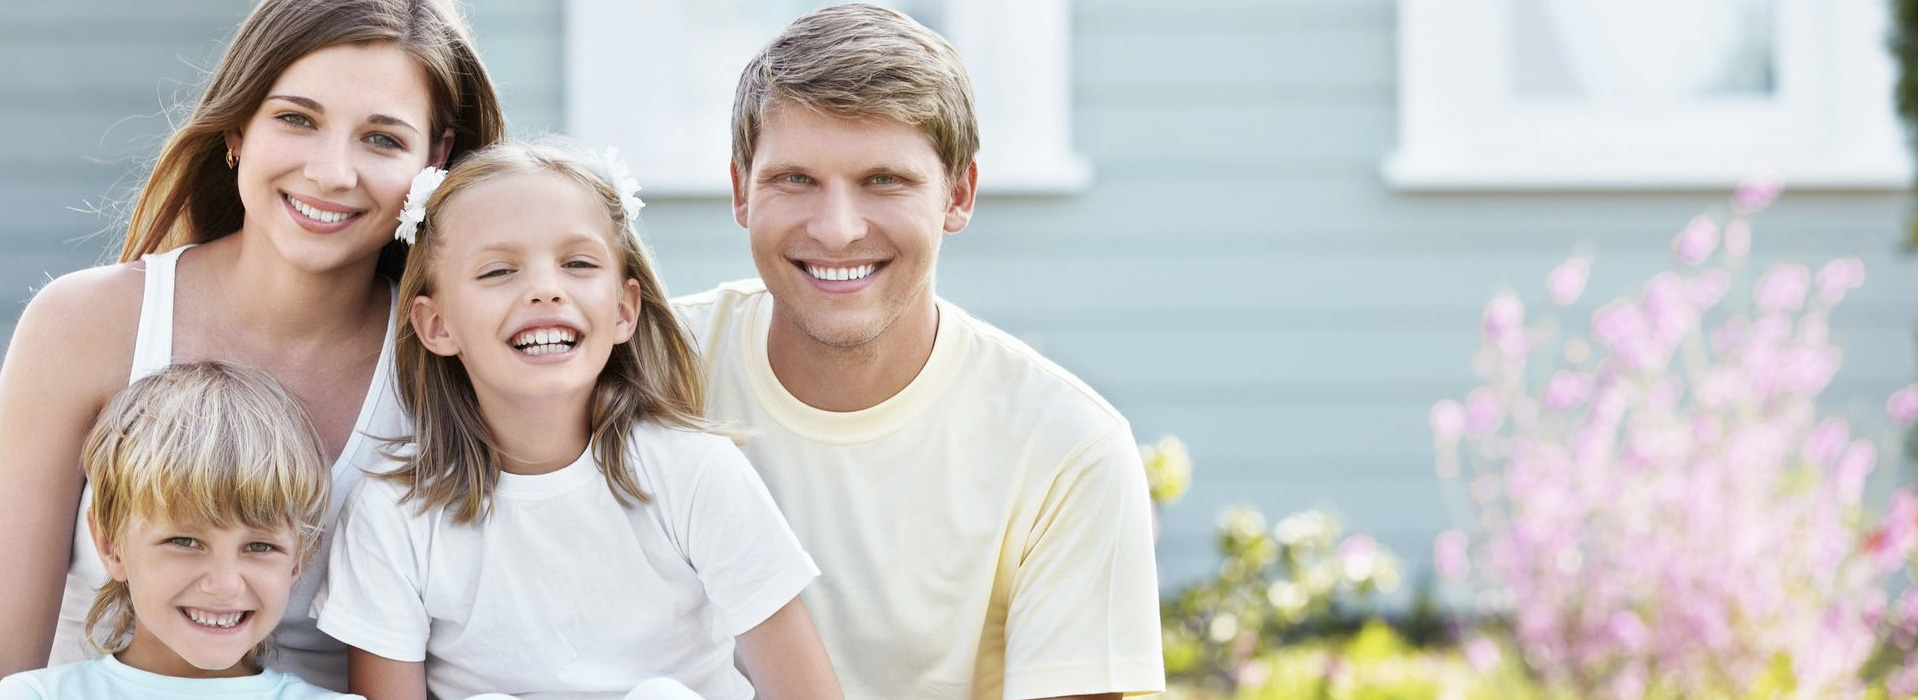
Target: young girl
x=257, y=240
x=208, y=499
x=559, y=523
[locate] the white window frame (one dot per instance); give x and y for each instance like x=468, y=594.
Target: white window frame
x=1830, y=124
x=655, y=78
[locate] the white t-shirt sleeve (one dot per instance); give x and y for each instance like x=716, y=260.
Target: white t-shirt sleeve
x=372, y=599
x=20, y=687
x=1084, y=612
x=745, y=555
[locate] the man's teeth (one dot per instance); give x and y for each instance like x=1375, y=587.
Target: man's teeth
x=840, y=274
x=213, y=619
x=325, y=217
x=545, y=341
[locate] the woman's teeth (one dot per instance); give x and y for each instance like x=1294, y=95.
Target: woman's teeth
x=545, y=341
x=322, y=216
x=840, y=274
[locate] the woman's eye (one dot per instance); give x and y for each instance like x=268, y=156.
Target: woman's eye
x=385, y=141
x=295, y=119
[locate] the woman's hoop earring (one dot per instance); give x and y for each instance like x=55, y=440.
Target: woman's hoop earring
x=232, y=161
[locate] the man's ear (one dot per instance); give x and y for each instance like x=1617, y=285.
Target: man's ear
x=442, y=150
x=430, y=326
x=630, y=304
x=739, y=193
x=115, y=566
x=964, y=193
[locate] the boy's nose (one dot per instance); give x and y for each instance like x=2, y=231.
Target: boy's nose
x=222, y=579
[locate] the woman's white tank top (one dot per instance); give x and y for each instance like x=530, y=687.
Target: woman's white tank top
x=302, y=648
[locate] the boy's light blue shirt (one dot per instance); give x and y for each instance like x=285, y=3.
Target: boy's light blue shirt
x=106, y=677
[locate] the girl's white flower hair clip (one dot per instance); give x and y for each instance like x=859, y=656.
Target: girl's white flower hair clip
x=413, y=211
x=623, y=182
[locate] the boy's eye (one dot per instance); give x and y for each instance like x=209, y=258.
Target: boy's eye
x=183, y=542
x=885, y=180
x=261, y=547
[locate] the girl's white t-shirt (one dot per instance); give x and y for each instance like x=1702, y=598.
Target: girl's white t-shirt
x=563, y=592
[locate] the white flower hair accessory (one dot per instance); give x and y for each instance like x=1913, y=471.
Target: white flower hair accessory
x=623, y=182
x=413, y=211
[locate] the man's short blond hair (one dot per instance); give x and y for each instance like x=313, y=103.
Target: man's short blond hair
x=862, y=62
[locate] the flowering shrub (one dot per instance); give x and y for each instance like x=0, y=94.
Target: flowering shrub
x=1274, y=585
x=1660, y=508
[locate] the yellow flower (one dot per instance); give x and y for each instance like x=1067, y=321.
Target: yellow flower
x=1168, y=469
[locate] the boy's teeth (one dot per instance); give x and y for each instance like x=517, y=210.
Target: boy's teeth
x=325, y=217
x=213, y=619
x=839, y=274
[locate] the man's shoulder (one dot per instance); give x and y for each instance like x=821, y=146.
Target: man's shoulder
x=716, y=311
x=1034, y=379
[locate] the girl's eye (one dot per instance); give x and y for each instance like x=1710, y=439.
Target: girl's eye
x=295, y=119
x=581, y=265
x=385, y=141
x=495, y=272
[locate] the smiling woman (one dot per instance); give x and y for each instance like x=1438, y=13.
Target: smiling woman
x=257, y=240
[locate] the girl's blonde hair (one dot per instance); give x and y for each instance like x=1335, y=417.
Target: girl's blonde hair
x=452, y=460
x=205, y=443
x=191, y=195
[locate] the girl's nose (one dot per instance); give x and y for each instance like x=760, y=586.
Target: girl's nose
x=222, y=579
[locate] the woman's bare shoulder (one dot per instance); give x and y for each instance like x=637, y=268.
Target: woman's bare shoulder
x=85, y=320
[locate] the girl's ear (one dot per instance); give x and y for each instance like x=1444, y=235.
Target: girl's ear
x=116, y=567
x=629, y=308
x=442, y=150
x=430, y=326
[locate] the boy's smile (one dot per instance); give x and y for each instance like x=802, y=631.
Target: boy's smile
x=203, y=596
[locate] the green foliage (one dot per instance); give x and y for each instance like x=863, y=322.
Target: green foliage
x=1904, y=46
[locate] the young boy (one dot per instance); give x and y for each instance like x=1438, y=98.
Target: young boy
x=209, y=487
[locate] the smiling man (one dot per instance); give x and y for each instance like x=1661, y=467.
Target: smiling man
x=979, y=515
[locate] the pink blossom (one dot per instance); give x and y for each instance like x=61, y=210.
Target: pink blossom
x=1903, y=405
x=1568, y=389
x=1783, y=288
x=1621, y=327
x=1893, y=541
x=1825, y=442
x=1756, y=192
x=1483, y=412
x=1839, y=276
x=1448, y=421
x=1696, y=243
x=1504, y=314
x=1807, y=371
x=1738, y=239
x=1705, y=290
x=1567, y=281
x=1482, y=653
x=1449, y=555
x=1853, y=468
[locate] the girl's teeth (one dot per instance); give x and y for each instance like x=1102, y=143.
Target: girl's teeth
x=211, y=619
x=840, y=274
